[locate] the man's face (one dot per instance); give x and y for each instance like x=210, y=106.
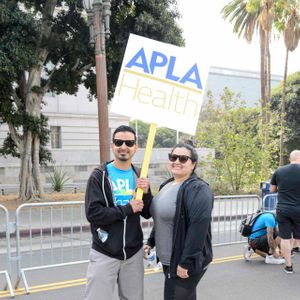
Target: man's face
x=122, y=151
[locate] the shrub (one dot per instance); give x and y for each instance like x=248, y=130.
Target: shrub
x=58, y=179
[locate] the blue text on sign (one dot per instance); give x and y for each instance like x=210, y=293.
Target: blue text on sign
x=160, y=60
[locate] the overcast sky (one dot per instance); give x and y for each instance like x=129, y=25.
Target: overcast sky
x=208, y=35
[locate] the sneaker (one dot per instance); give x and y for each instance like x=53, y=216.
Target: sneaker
x=247, y=252
x=296, y=249
x=270, y=259
x=288, y=270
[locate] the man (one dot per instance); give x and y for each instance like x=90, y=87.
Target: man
x=116, y=255
x=286, y=181
x=264, y=240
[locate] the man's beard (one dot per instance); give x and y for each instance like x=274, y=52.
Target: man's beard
x=122, y=157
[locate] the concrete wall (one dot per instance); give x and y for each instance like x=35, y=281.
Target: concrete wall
x=79, y=164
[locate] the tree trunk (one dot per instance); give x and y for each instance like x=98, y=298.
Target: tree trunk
x=264, y=98
x=26, y=184
x=282, y=111
x=36, y=166
x=263, y=71
x=30, y=179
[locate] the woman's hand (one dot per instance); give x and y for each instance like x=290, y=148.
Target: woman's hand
x=147, y=249
x=182, y=273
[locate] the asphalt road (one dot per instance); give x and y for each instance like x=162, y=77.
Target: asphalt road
x=228, y=278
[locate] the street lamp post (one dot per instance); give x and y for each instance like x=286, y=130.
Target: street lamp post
x=98, y=17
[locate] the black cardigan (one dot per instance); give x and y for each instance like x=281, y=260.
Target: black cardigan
x=192, y=247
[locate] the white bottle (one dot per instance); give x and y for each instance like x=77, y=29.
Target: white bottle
x=151, y=259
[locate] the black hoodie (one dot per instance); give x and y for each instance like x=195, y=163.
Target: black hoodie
x=192, y=247
x=125, y=236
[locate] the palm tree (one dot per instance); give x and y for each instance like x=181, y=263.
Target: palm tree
x=289, y=24
x=247, y=17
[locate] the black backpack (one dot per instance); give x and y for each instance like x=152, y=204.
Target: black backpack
x=248, y=223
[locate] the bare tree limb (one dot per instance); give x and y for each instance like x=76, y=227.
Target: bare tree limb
x=74, y=68
x=55, y=68
x=15, y=136
x=83, y=69
x=17, y=100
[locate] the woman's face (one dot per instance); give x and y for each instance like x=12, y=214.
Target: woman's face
x=181, y=169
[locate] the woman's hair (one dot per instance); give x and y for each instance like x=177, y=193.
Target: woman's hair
x=188, y=144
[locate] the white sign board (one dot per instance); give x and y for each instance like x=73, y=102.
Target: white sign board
x=160, y=83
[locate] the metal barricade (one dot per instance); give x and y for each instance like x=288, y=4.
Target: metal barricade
x=55, y=234
x=227, y=214
x=50, y=234
x=6, y=253
x=269, y=202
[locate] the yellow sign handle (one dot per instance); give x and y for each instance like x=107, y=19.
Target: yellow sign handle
x=146, y=161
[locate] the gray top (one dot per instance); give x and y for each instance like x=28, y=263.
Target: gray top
x=163, y=209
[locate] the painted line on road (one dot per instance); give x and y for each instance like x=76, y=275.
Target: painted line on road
x=82, y=281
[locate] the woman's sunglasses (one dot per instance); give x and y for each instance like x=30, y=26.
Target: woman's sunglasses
x=128, y=143
x=182, y=158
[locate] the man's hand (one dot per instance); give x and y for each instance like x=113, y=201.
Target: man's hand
x=182, y=273
x=143, y=183
x=147, y=249
x=136, y=205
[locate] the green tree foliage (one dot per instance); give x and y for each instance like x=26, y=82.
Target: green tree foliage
x=292, y=114
x=164, y=137
x=142, y=130
x=44, y=46
x=288, y=23
x=155, y=19
x=232, y=129
x=247, y=17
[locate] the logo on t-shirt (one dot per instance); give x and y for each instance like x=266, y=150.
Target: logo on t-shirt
x=123, y=184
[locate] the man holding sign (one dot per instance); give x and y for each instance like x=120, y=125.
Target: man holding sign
x=116, y=255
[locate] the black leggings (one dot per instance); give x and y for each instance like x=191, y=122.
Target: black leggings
x=180, y=289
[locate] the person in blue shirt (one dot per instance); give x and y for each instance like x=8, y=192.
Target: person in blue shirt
x=264, y=240
x=116, y=257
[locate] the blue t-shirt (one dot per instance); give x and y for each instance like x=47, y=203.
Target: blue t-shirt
x=264, y=220
x=123, y=183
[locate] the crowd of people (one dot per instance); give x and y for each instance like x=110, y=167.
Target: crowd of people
x=181, y=212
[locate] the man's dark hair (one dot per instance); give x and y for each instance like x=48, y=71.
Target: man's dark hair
x=124, y=128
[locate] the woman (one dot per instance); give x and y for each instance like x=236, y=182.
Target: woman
x=182, y=235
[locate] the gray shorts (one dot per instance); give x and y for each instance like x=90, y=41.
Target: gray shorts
x=105, y=272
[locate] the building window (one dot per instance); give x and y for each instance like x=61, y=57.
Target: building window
x=55, y=137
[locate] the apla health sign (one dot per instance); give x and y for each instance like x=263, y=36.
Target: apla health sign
x=160, y=83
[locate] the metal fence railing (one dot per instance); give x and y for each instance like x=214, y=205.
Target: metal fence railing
x=50, y=234
x=227, y=215
x=269, y=202
x=228, y=212
x=56, y=234
x=5, y=253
